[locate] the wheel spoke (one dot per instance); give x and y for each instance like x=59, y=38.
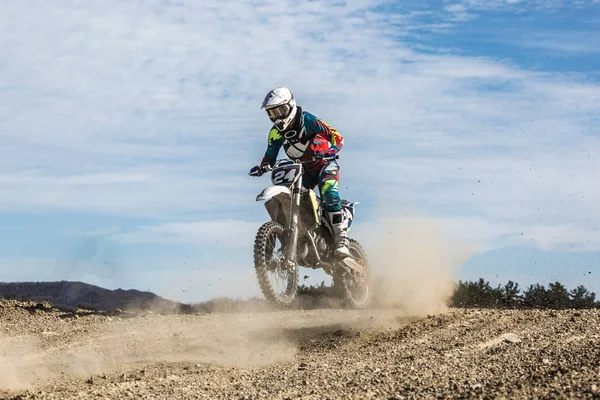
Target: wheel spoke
x=355, y=285
x=277, y=282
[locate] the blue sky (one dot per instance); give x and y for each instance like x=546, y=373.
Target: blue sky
x=128, y=129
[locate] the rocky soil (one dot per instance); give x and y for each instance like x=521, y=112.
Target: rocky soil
x=46, y=353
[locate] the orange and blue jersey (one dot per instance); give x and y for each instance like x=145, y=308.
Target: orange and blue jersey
x=310, y=136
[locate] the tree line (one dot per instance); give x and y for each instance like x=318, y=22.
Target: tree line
x=480, y=294
x=556, y=296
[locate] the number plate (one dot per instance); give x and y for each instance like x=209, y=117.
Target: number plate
x=285, y=175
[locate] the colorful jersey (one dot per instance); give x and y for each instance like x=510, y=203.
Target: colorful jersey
x=308, y=137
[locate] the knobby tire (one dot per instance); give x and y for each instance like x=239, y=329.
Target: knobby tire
x=341, y=285
x=260, y=267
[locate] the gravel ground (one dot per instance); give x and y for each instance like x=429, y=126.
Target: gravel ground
x=323, y=354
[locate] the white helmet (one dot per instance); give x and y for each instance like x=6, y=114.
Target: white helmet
x=281, y=107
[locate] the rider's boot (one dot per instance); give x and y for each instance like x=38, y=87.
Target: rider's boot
x=339, y=225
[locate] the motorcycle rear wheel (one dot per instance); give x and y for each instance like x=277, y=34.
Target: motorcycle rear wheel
x=264, y=264
x=354, y=290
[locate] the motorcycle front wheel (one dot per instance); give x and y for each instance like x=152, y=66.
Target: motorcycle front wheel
x=268, y=263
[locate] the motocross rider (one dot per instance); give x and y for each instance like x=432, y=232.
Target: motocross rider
x=303, y=136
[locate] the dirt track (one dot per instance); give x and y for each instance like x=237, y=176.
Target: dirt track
x=321, y=354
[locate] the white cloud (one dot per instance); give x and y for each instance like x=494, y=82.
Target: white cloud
x=97, y=232
x=73, y=180
x=564, y=238
x=228, y=233
x=545, y=4
x=455, y=8
x=575, y=42
x=153, y=109
x=458, y=13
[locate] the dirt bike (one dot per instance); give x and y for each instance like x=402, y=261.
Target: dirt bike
x=299, y=222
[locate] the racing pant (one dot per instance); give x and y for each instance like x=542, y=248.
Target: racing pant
x=327, y=179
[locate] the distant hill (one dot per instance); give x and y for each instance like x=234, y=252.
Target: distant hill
x=72, y=295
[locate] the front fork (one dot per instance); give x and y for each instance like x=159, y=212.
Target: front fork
x=292, y=231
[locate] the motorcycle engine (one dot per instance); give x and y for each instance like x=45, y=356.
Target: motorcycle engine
x=305, y=254
x=302, y=250
x=321, y=244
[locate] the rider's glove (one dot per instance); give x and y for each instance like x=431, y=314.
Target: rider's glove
x=256, y=171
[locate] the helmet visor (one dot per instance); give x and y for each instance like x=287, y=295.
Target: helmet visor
x=279, y=112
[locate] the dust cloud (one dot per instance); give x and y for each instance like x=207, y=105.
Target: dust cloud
x=236, y=340
x=8, y=371
x=415, y=265
x=19, y=363
x=415, y=262
x=233, y=340
x=26, y=362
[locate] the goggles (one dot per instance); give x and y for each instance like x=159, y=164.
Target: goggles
x=279, y=112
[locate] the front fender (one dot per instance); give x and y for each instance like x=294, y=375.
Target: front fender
x=272, y=191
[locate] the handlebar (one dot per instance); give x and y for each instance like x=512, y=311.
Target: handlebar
x=267, y=168
x=318, y=158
